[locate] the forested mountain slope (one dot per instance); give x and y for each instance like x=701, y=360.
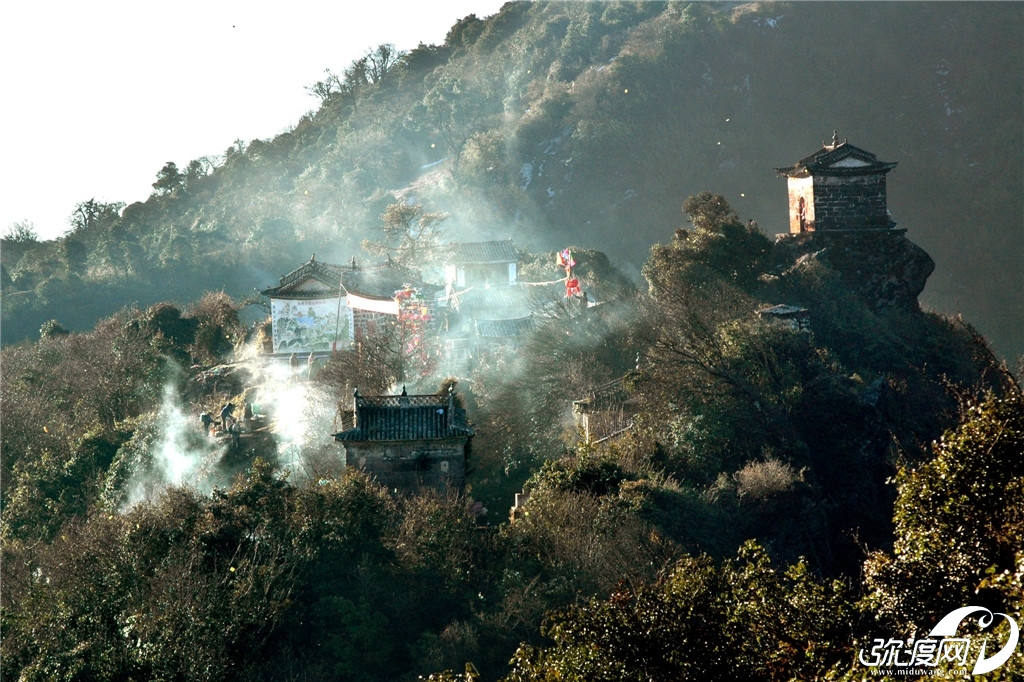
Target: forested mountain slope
x=752, y=491
x=588, y=123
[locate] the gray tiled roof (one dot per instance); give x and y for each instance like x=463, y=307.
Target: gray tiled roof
x=375, y=281
x=504, y=329
x=508, y=302
x=479, y=300
x=312, y=269
x=382, y=281
x=481, y=252
x=398, y=418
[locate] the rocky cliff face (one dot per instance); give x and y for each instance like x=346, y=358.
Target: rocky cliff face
x=884, y=267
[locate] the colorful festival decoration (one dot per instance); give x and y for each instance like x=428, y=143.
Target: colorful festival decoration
x=565, y=260
x=572, y=284
x=414, y=318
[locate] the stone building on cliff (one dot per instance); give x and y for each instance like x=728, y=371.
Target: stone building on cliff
x=838, y=188
x=838, y=212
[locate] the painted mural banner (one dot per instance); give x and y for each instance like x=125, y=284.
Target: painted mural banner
x=311, y=325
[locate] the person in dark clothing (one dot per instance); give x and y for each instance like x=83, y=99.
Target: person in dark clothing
x=227, y=416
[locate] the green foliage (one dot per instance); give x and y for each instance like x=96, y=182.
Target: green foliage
x=91, y=218
x=596, y=476
x=727, y=397
x=579, y=544
x=46, y=489
x=718, y=246
x=355, y=638
x=958, y=523
x=188, y=587
x=567, y=119
x=372, y=68
x=52, y=328
x=637, y=635
x=743, y=620
x=525, y=399
x=217, y=328
x=599, y=277
x=61, y=400
x=464, y=32
x=564, y=119
x=168, y=179
x=329, y=578
x=709, y=212
x=165, y=319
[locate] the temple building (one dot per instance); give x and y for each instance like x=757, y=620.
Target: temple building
x=408, y=442
x=485, y=319
x=838, y=214
x=481, y=307
x=606, y=411
x=839, y=187
x=468, y=264
x=485, y=307
x=320, y=307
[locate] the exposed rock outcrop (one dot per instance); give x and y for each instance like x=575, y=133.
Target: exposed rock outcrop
x=882, y=266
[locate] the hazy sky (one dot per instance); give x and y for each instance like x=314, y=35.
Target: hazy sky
x=99, y=94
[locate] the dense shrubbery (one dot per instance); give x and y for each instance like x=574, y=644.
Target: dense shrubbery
x=68, y=403
x=743, y=429
x=331, y=579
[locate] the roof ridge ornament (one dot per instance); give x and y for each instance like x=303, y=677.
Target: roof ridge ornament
x=835, y=141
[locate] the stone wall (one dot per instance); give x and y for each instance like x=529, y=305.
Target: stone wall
x=366, y=323
x=409, y=466
x=850, y=202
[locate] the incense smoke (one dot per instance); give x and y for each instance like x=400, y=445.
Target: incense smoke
x=170, y=448
x=300, y=414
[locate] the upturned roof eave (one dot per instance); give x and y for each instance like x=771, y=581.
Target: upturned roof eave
x=344, y=280
x=289, y=291
x=822, y=163
x=808, y=171
x=300, y=295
